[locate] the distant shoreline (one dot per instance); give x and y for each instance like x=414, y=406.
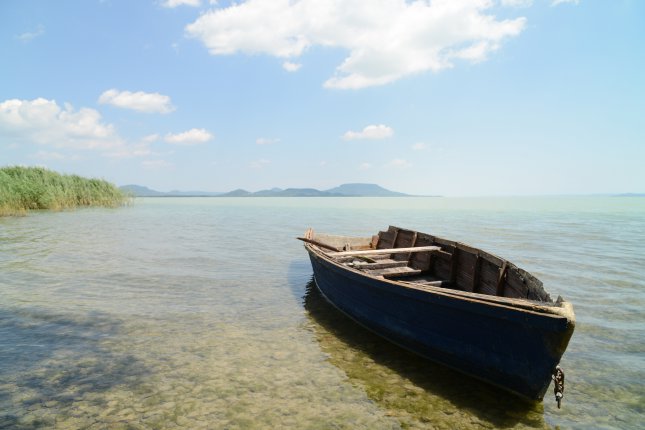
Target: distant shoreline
x=244, y=197
x=140, y=191
x=629, y=195
x=344, y=190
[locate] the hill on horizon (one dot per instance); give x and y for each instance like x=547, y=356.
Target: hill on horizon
x=359, y=189
x=344, y=190
x=141, y=191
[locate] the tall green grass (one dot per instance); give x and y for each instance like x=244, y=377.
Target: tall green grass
x=26, y=188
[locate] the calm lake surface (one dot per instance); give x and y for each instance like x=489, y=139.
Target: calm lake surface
x=200, y=313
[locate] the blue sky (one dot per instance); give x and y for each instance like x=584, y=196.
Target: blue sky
x=461, y=97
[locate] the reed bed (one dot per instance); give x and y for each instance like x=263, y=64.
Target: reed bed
x=31, y=188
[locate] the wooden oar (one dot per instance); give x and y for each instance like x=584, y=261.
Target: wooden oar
x=320, y=244
x=385, y=251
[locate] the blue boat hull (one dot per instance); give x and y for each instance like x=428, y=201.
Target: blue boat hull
x=509, y=347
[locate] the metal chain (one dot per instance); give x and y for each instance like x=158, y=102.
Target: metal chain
x=558, y=384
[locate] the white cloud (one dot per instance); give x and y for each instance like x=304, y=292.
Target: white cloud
x=291, y=67
x=386, y=40
x=399, y=163
x=558, y=2
x=28, y=36
x=419, y=146
x=266, y=141
x=175, y=3
x=364, y=166
x=139, y=101
x=44, y=122
x=140, y=148
x=370, y=132
x=517, y=3
x=194, y=136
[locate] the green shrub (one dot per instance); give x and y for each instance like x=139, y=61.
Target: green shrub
x=28, y=188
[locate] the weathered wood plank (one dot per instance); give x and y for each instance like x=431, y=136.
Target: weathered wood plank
x=447, y=256
x=393, y=271
x=396, y=235
x=374, y=242
x=454, y=265
x=385, y=251
x=501, y=280
x=476, y=274
x=421, y=260
x=467, y=248
x=409, y=272
x=444, y=242
x=442, y=284
x=379, y=265
x=405, y=239
x=543, y=308
x=386, y=239
x=441, y=264
x=466, y=269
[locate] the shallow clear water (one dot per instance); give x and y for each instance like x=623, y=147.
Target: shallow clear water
x=200, y=313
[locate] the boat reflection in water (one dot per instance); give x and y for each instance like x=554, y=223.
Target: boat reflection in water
x=416, y=391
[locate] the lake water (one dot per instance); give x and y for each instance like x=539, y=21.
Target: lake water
x=200, y=313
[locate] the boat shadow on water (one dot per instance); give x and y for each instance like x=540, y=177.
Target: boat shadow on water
x=408, y=387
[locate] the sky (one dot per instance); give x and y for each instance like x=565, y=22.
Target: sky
x=444, y=97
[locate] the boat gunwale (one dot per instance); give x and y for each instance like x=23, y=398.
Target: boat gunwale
x=559, y=309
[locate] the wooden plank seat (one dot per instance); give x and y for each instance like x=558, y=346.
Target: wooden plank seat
x=442, y=283
x=378, y=264
x=393, y=272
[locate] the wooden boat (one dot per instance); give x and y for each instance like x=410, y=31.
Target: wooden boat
x=449, y=302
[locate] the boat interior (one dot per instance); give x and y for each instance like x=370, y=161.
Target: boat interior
x=426, y=260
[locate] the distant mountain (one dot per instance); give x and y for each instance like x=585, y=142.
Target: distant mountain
x=278, y=192
x=364, y=190
x=141, y=191
x=630, y=195
x=237, y=193
x=303, y=192
x=267, y=193
x=345, y=190
x=176, y=193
